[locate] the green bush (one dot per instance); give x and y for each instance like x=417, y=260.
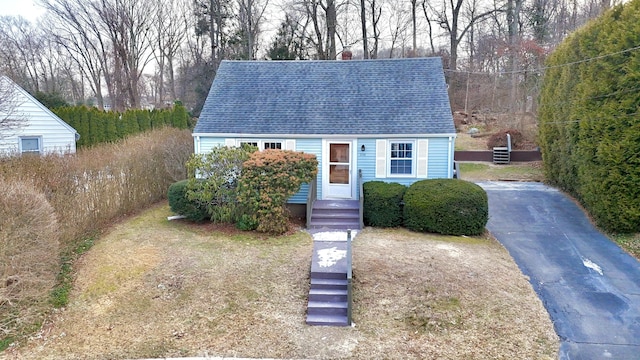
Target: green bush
x=383, y=203
x=446, y=206
x=269, y=178
x=215, y=186
x=180, y=204
x=247, y=222
x=589, y=128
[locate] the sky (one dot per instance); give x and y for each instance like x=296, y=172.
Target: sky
x=25, y=8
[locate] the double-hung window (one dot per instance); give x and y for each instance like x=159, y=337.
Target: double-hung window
x=263, y=144
x=249, y=143
x=272, y=145
x=31, y=145
x=401, y=158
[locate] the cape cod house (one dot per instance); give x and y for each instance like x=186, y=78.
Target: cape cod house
x=35, y=130
x=387, y=120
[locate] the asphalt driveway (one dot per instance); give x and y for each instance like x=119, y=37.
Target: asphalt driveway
x=589, y=286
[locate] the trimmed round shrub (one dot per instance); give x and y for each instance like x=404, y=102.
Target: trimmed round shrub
x=180, y=204
x=383, y=203
x=446, y=206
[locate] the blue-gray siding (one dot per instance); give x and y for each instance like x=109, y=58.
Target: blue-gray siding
x=440, y=154
x=309, y=146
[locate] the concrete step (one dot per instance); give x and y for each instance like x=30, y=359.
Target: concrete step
x=327, y=308
x=327, y=320
x=328, y=295
x=332, y=214
x=338, y=221
x=336, y=204
x=329, y=275
x=320, y=283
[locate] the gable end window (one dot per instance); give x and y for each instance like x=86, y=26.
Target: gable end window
x=401, y=158
x=31, y=145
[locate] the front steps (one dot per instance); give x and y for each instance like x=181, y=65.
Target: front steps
x=501, y=155
x=335, y=214
x=329, y=293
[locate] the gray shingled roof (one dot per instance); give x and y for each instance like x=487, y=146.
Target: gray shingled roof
x=398, y=96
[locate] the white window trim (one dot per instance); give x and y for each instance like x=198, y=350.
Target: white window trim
x=40, y=147
x=413, y=157
x=285, y=144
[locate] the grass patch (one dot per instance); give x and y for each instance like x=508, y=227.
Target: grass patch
x=60, y=293
x=529, y=171
x=629, y=242
x=436, y=315
x=5, y=342
x=245, y=295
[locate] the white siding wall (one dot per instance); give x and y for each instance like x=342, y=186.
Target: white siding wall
x=56, y=135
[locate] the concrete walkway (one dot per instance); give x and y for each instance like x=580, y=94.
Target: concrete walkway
x=589, y=286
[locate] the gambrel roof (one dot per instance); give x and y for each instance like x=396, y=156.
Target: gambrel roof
x=359, y=97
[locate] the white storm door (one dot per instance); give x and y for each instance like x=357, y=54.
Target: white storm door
x=339, y=170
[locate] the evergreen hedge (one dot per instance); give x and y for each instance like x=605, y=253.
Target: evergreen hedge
x=383, y=203
x=97, y=126
x=589, y=129
x=446, y=206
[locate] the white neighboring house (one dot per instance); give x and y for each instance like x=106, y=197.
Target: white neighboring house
x=40, y=130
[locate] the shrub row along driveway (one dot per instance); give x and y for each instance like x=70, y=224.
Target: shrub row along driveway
x=590, y=287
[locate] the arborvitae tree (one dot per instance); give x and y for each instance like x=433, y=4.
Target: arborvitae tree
x=589, y=123
x=112, y=127
x=179, y=117
x=156, y=119
x=82, y=126
x=96, y=126
x=131, y=122
x=121, y=125
x=144, y=120
x=94, y=132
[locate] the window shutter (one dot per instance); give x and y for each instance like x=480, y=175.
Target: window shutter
x=289, y=144
x=422, y=159
x=230, y=142
x=381, y=158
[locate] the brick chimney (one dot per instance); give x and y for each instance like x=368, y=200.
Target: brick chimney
x=346, y=53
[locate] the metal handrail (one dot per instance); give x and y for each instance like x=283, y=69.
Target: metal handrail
x=312, y=195
x=349, y=278
x=361, y=198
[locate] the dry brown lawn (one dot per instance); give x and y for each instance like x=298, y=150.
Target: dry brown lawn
x=153, y=288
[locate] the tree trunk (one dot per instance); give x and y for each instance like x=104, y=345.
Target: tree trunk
x=363, y=20
x=331, y=29
x=414, y=28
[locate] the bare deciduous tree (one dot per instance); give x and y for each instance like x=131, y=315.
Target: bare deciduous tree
x=170, y=34
x=11, y=119
x=250, y=18
x=456, y=22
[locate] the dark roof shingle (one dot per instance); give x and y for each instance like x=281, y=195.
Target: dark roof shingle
x=397, y=96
